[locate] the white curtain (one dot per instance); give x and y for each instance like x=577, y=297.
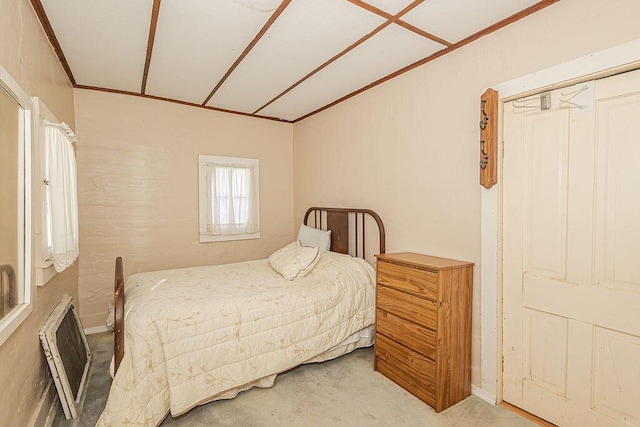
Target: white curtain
x=233, y=199
x=63, y=215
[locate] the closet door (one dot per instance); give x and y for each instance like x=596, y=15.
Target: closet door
x=571, y=265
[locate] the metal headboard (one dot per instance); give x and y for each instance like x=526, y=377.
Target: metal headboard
x=343, y=222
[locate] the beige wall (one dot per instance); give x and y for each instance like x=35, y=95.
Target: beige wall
x=26, y=54
x=409, y=148
x=138, y=187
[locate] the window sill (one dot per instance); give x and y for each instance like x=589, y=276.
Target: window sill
x=44, y=273
x=205, y=238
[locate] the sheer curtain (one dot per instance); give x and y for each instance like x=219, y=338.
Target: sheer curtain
x=233, y=206
x=62, y=217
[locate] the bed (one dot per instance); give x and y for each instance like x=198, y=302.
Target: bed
x=189, y=336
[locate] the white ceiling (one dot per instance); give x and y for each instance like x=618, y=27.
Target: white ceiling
x=270, y=58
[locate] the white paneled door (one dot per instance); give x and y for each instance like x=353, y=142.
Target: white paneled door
x=571, y=211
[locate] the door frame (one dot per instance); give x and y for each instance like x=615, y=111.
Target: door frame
x=621, y=58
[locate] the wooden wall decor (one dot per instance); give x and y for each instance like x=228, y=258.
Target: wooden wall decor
x=489, y=138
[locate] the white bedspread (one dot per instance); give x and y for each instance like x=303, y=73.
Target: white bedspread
x=199, y=334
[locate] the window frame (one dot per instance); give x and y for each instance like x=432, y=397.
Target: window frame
x=26, y=290
x=204, y=200
x=43, y=252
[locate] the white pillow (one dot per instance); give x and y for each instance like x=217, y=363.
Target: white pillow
x=294, y=260
x=309, y=236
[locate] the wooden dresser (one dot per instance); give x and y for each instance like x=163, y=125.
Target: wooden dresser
x=423, y=326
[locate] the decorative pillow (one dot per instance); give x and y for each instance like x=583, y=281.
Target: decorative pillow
x=294, y=260
x=309, y=236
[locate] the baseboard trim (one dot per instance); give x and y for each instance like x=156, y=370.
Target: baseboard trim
x=45, y=411
x=97, y=330
x=483, y=395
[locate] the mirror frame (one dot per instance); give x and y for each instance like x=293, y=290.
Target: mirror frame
x=26, y=290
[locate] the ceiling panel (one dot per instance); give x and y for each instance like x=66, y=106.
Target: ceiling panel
x=197, y=41
x=386, y=52
x=390, y=6
x=104, y=42
x=307, y=34
x=454, y=20
x=199, y=45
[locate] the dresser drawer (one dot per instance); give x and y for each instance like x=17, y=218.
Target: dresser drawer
x=418, y=310
x=421, y=282
x=419, y=338
x=410, y=370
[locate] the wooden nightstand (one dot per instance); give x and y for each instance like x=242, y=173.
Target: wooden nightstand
x=423, y=326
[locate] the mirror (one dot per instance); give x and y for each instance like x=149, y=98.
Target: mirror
x=10, y=201
x=15, y=205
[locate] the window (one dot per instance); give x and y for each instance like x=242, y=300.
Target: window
x=47, y=239
x=16, y=289
x=61, y=233
x=55, y=225
x=229, y=198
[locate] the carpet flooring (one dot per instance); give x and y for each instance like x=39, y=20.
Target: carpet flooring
x=341, y=392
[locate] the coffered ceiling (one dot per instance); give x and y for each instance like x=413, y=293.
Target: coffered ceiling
x=279, y=59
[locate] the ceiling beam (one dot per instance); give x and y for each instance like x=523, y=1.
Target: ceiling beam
x=251, y=45
x=152, y=36
x=400, y=22
x=490, y=29
x=48, y=30
x=372, y=9
x=422, y=32
x=344, y=52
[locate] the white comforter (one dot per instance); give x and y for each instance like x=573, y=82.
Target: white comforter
x=199, y=334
